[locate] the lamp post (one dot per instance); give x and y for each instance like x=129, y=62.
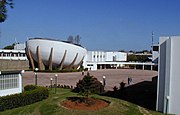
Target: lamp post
x=51, y=79
x=55, y=82
x=104, y=80
x=35, y=73
x=167, y=104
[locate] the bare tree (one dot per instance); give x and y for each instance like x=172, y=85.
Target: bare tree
x=70, y=39
x=77, y=39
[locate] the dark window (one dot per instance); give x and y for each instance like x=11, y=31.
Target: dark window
x=155, y=48
x=89, y=64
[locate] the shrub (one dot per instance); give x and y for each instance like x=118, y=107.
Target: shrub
x=30, y=87
x=88, y=85
x=25, y=98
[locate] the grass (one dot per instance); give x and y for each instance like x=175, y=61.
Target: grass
x=51, y=106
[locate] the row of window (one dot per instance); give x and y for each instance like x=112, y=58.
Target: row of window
x=89, y=64
x=9, y=81
x=99, y=56
x=12, y=54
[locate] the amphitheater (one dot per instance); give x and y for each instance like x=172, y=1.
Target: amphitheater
x=54, y=54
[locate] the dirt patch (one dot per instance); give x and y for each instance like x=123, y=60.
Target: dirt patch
x=81, y=103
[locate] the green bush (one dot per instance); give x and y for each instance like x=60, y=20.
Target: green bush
x=139, y=58
x=22, y=99
x=88, y=85
x=30, y=87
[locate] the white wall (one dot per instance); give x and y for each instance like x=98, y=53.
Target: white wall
x=109, y=56
x=10, y=91
x=94, y=57
x=161, y=78
x=19, y=47
x=101, y=56
x=13, y=90
x=121, y=56
x=175, y=76
x=168, y=94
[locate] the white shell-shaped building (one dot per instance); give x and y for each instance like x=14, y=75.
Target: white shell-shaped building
x=48, y=54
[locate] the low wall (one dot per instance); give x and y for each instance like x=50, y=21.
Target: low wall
x=14, y=65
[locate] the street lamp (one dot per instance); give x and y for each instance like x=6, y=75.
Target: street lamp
x=55, y=82
x=51, y=79
x=104, y=80
x=35, y=73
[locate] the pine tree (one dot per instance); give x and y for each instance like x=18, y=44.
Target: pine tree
x=89, y=85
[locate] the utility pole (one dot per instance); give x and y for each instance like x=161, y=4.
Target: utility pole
x=0, y=37
x=152, y=41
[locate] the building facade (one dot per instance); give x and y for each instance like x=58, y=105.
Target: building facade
x=168, y=93
x=100, y=59
x=19, y=46
x=155, y=53
x=10, y=82
x=54, y=54
x=13, y=60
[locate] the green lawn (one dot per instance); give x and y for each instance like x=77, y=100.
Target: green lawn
x=51, y=106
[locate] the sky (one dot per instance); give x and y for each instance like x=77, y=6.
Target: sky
x=109, y=25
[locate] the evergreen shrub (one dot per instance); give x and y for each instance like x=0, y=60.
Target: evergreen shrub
x=31, y=95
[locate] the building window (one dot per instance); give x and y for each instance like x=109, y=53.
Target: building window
x=4, y=54
x=89, y=64
x=9, y=81
x=15, y=55
x=21, y=54
x=155, y=48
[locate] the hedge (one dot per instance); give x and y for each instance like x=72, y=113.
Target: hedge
x=30, y=87
x=27, y=97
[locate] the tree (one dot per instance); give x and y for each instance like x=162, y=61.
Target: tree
x=140, y=58
x=132, y=57
x=77, y=40
x=3, y=9
x=10, y=47
x=88, y=85
x=70, y=39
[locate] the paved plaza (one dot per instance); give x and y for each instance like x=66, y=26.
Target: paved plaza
x=113, y=77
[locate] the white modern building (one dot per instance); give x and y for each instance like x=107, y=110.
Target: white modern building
x=54, y=54
x=10, y=82
x=168, y=94
x=13, y=54
x=13, y=60
x=155, y=53
x=19, y=46
x=100, y=59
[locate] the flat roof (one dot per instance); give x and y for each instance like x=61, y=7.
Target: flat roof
x=10, y=72
x=12, y=51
